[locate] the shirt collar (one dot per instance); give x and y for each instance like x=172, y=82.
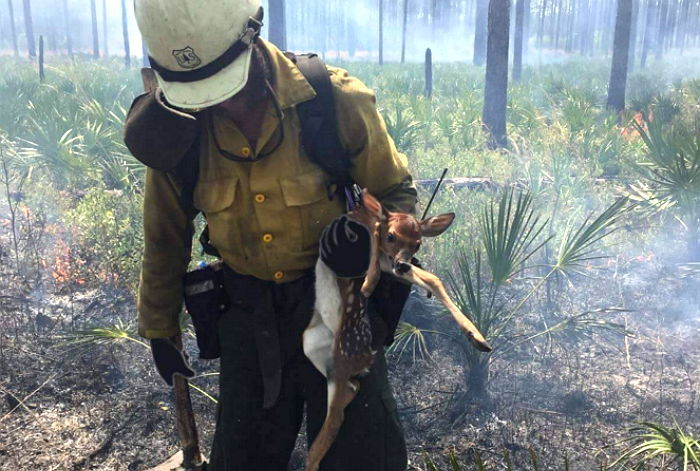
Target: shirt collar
x=289, y=84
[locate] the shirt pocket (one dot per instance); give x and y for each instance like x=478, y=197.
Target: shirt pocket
x=308, y=193
x=216, y=198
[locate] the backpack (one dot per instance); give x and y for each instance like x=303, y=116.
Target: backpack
x=321, y=142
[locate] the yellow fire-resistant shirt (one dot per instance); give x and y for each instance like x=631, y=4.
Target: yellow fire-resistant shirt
x=265, y=217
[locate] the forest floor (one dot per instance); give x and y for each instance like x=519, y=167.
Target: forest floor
x=102, y=407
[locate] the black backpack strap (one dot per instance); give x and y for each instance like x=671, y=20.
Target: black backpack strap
x=319, y=124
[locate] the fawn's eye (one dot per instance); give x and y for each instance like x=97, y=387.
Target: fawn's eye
x=391, y=238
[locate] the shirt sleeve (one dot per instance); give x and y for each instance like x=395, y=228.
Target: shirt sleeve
x=168, y=230
x=377, y=164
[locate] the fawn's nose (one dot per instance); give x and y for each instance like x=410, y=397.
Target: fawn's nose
x=403, y=267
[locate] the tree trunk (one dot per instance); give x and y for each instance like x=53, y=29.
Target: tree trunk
x=481, y=31
x=105, y=38
x=125, y=32
x=540, y=27
x=95, y=34
x=686, y=21
x=13, y=29
x=621, y=52
x=518, y=44
x=42, y=75
x=661, y=30
x=557, y=32
x=278, y=24
x=381, y=32
x=477, y=380
x=496, y=86
x=572, y=27
x=633, y=38
x=403, y=34
x=428, y=73
x=66, y=25
x=649, y=33
x=526, y=29
x=29, y=28
x=144, y=52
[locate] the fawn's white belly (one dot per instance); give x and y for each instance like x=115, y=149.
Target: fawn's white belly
x=319, y=335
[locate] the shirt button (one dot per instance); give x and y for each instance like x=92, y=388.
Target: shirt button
x=260, y=198
x=279, y=275
x=267, y=238
x=246, y=151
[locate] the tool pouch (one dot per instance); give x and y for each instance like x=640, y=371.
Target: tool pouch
x=206, y=300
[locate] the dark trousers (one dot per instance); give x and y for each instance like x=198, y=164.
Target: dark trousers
x=251, y=438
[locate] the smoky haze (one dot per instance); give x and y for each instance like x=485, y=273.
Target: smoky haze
x=335, y=28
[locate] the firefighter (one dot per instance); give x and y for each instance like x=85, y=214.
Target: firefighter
x=229, y=101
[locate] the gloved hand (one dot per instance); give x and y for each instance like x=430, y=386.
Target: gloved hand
x=345, y=247
x=170, y=360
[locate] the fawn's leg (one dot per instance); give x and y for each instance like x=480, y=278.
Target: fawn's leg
x=433, y=284
x=374, y=271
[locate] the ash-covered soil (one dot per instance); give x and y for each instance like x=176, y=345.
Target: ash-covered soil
x=102, y=406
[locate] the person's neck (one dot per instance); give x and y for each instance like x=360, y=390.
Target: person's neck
x=247, y=108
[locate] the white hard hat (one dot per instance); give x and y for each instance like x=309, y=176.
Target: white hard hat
x=200, y=49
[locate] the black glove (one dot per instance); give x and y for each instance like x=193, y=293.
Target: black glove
x=170, y=360
x=345, y=247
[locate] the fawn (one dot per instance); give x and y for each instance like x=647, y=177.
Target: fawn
x=338, y=339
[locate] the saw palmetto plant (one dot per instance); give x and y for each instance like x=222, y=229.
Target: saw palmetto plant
x=652, y=444
x=403, y=128
x=121, y=332
x=511, y=235
x=670, y=174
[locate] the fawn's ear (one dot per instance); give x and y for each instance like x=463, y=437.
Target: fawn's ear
x=371, y=203
x=436, y=225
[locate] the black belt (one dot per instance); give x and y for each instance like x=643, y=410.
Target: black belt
x=259, y=296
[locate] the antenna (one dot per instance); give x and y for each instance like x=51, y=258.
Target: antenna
x=432, y=198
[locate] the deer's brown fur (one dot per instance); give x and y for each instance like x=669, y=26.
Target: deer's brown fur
x=338, y=340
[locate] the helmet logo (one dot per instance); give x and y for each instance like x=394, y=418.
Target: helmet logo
x=187, y=58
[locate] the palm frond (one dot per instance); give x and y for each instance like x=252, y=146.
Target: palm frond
x=579, y=246
x=509, y=232
x=650, y=441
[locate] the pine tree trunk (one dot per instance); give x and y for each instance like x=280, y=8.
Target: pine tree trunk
x=540, y=27
x=496, y=86
x=66, y=25
x=526, y=29
x=403, y=34
x=633, y=38
x=433, y=22
x=125, y=33
x=686, y=20
x=557, y=33
x=105, y=38
x=649, y=33
x=481, y=31
x=428, y=73
x=42, y=75
x=13, y=28
x=278, y=25
x=518, y=44
x=661, y=30
x=29, y=28
x=381, y=32
x=144, y=52
x=572, y=23
x=621, y=52
x=95, y=33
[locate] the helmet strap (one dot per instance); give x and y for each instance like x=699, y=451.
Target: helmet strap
x=244, y=41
